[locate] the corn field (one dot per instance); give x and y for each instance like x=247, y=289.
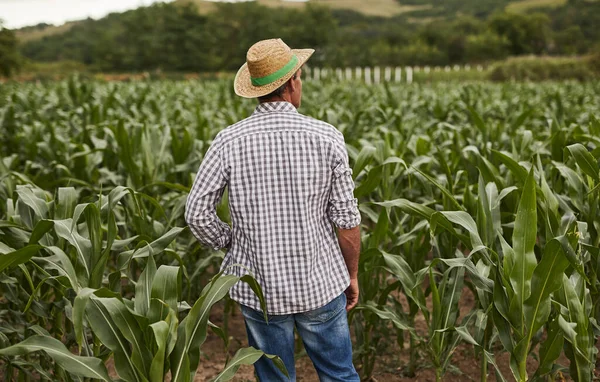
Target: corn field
x=493, y=189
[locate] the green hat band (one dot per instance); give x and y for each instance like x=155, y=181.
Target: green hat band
x=277, y=75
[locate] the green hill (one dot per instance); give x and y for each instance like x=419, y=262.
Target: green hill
x=201, y=36
x=419, y=10
x=383, y=8
x=36, y=32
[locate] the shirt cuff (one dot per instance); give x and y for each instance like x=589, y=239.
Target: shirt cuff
x=224, y=240
x=346, y=215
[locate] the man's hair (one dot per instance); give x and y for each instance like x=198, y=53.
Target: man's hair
x=277, y=93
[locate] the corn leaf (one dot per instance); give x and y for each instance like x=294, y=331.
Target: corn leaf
x=247, y=356
x=166, y=288
x=88, y=367
x=107, y=331
x=130, y=329
x=524, y=262
x=585, y=160
x=19, y=256
x=143, y=287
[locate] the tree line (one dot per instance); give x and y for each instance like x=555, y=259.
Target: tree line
x=175, y=37
x=10, y=59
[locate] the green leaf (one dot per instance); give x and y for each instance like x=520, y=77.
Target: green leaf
x=79, y=307
x=575, y=324
x=573, y=178
x=81, y=244
x=512, y=165
x=156, y=247
x=157, y=368
x=445, y=191
x=143, y=287
x=40, y=229
x=131, y=330
x=379, y=233
x=364, y=158
x=247, y=356
x=107, y=331
x=255, y=286
x=462, y=332
x=524, y=237
x=477, y=120
x=411, y=208
x=95, y=234
x=370, y=183
x=60, y=262
x=165, y=335
x=551, y=348
x=88, y=367
x=400, y=269
x=465, y=220
x=19, y=256
x=166, y=288
x=38, y=205
x=192, y=331
x=65, y=203
x=585, y=161
x=386, y=314
x=547, y=278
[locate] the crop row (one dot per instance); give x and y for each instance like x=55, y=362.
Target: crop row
x=487, y=188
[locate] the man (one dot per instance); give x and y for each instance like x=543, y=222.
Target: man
x=289, y=185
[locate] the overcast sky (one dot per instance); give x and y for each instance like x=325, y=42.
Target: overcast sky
x=20, y=13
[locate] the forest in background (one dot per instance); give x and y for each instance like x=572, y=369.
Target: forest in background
x=177, y=37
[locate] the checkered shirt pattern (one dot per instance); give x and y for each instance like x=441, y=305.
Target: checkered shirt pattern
x=289, y=184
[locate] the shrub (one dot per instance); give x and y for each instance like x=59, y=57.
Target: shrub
x=544, y=68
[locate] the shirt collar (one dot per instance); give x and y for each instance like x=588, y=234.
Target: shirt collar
x=275, y=107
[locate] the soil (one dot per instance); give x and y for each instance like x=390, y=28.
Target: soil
x=390, y=367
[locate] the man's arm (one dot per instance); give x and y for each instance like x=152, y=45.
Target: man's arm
x=349, y=240
x=342, y=210
x=200, y=209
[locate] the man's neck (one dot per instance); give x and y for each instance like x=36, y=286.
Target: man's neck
x=283, y=98
x=273, y=100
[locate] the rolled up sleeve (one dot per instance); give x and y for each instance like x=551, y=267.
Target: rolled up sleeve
x=342, y=207
x=200, y=210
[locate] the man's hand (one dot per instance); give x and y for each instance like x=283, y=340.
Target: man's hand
x=352, y=294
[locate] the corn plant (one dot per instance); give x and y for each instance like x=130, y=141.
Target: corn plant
x=488, y=189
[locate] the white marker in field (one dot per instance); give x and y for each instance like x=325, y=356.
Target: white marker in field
x=348, y=73
x=358, y=73
x=339, y=74
x=388, y=74
x=398, y=75
x=426, y=69
x=317, y=74
x=409, y=75
x=368, y=75
x=377, y=74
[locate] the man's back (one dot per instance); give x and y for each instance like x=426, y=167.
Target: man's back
x=289, y=182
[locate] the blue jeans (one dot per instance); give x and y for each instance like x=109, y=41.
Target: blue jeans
x=324, y=332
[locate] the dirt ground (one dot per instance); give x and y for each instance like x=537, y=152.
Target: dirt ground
x=390, y=367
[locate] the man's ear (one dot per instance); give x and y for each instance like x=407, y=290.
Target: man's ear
x=291, y=84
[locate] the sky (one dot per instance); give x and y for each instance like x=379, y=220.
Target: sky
x=20, y=13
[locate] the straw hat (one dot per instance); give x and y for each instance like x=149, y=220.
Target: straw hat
x=269, y=64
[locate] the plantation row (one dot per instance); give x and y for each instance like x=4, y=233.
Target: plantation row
x=487, y=188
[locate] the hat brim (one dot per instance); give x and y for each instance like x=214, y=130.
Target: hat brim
x=242, y=84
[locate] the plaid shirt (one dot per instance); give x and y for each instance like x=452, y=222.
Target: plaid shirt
x=289, y=183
